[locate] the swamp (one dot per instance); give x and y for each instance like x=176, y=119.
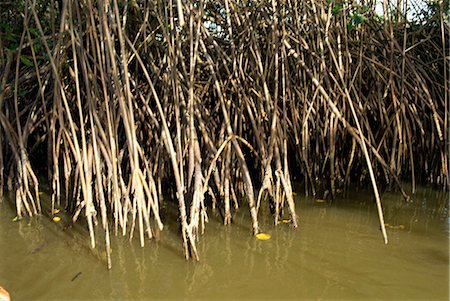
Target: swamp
x=229, y=149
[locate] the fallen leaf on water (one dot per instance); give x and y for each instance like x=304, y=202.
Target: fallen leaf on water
x=320, y=201
x=56, y=219
x=15, y=219
x=55, y=211
x=393, y=227
x=284, y=221
x=263, y=236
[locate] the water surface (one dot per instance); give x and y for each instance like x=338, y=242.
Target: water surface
x=336, y=253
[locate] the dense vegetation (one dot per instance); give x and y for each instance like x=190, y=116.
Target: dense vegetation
x=121, y=103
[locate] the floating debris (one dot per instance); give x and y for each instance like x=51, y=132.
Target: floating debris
x=394, y=227
x=56, y=219
x=284, y=221
x=263, y=236
x=320, y=201
x=76, y=276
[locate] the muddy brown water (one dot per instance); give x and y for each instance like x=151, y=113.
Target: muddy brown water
x=336, y=253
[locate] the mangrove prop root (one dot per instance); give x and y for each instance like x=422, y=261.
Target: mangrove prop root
x=216, y=103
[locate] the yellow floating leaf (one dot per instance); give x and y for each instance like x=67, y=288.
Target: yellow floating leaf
x=320, y=201
x=56, y=219
x=285, y=221
x=394, y=227
x=41, y=193
x=263, y=236
x=55, y=211
x=339, y=190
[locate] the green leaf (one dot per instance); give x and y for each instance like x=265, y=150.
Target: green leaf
x=350, y=26
x=34, y=32
x=10, y=37
x=26, y=61
x=336, y=9
x=13, y=46
x=357, y=19
x=22, y=93
x=37, y=47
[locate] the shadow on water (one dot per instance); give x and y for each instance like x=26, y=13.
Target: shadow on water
x=337, y=253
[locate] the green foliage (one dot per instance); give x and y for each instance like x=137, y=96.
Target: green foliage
x=22, y=93
x=337, y=6
x=12, y=20
x=26, y=61
x=9, y=37
x=356, y=19
x=336, y=9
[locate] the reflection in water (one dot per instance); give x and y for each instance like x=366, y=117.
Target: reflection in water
x=337, y=253
x=31, y=231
